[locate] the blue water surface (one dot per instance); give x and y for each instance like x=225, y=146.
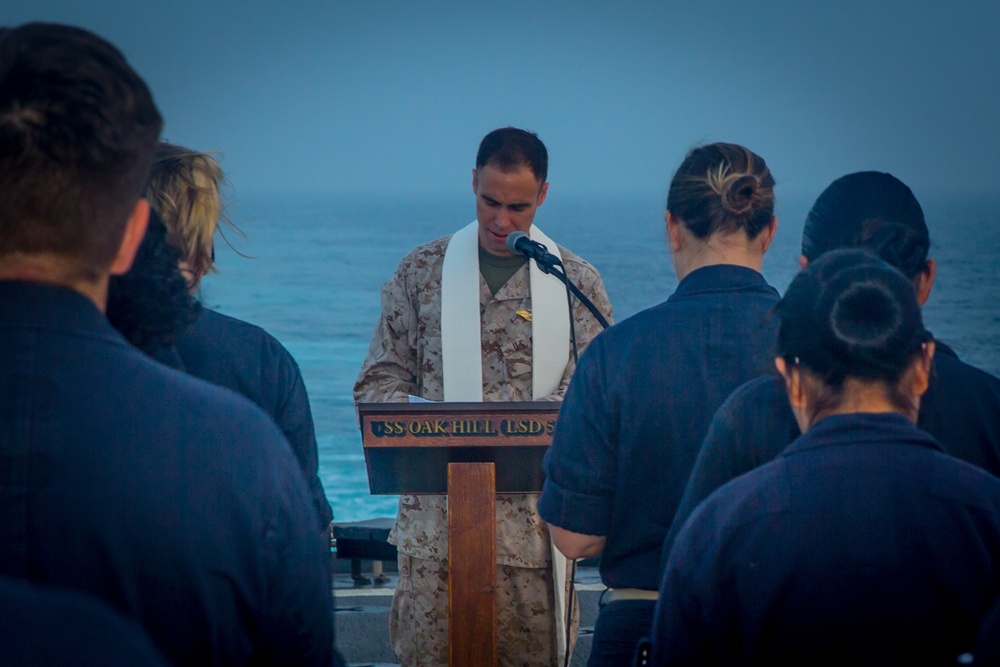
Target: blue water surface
x=310, y=269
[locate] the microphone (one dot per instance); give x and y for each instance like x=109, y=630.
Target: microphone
x=519, y=243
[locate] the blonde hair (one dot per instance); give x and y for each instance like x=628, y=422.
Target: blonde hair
x=184, y=189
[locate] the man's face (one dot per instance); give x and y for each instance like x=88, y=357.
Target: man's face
x=505, y=202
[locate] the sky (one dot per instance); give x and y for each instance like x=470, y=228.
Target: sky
x=382, y=98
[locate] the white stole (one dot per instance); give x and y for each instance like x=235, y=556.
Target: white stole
x=461, y=327
x=462, y=356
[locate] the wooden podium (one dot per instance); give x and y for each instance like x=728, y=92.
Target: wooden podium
x=471, y=451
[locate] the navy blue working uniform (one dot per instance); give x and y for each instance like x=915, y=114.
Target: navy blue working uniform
x=862, y=544
x=629, y=428
x=961, y=409
x=41, y=626
x=245, y=358
x=176, y=501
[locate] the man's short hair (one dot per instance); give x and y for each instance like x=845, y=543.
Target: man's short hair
x=509, y=148
x=77, y=132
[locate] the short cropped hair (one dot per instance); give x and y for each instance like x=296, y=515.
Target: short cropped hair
x=722, y=188
x=509, y=148
x=184, y=189
x=77, y=131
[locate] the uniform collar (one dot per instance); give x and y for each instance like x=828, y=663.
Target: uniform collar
x=52, y=307
x=867, y=428
x=720, y=277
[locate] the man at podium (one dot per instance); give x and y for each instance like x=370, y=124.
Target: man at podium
x=464, y=319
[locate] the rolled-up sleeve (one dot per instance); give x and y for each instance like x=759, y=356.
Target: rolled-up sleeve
x=580, y=464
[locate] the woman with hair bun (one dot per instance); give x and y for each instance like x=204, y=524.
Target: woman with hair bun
x=877, y=212
x=863, y=543
x=645, y=390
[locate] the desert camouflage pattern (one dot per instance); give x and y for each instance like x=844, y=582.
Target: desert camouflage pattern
x=418, y=625
x=405, y=358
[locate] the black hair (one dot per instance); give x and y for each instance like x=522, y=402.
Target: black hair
x=849, y=314
x=873, y=210
x=509, y=148
x=722, y=188
x=150, y=305
x=77, y=132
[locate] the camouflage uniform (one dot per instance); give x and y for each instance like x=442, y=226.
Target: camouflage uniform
x=405, y=358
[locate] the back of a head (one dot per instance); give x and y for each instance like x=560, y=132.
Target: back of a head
x=184, y=189
x=870, y=210
x=722, y=188
x=509, y=148
x=850, y=315
x=77, y=132
x=150, y=304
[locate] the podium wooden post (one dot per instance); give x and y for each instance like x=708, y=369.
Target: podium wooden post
x=471, y=451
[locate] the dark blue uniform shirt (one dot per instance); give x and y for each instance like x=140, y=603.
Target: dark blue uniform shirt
x=863, y=543
x=42, y=626
x=245, y=358
x=637, y=410
x=961, y=409
x=176, y=501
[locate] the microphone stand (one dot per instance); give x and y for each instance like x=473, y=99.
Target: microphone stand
x=548, y=265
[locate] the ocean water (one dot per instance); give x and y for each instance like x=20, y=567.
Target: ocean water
x=310, y=269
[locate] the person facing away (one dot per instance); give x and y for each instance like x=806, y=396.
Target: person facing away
x=877, y=212
x=184, y=189
x=44, y=626
x=124, y=479
x=150, y=304
x=645, y=390
x=863, y=542
x=469, y=285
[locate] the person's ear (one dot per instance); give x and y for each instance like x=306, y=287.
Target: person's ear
x=674, y=231
x=542, y=193
x=924, y=281
x=803, y=262
x=793, y=382
x=475, y=183
x=798, y=398
x=767, y=234
x=921, y=370
x=135, y=230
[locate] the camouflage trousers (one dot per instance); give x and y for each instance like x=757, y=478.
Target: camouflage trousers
x=418, y=619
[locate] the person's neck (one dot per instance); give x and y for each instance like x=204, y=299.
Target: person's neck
x=861, y=396
x=53, y=270
x=733, y=249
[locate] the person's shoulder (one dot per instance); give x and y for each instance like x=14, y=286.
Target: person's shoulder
x=235, y=329
x=762, y=390
x=965, y=376
x=426, y=253
x=743, y=500
x=165, y=393
x=960, y=481
x=577, y=265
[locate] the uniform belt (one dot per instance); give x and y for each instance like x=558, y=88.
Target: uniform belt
x=619, y=594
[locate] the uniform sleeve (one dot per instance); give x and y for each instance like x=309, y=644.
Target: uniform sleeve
x=297, y=624
x=580, y=464
x=585, y=324
x=294, y=416
x=389, y=372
